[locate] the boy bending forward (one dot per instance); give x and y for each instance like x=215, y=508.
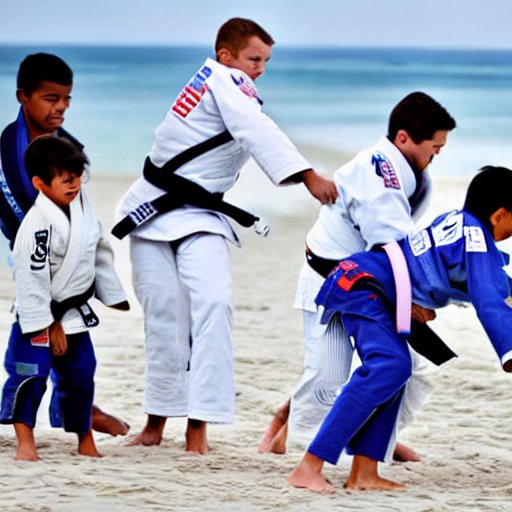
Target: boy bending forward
x=60, y=261
x=454, y=259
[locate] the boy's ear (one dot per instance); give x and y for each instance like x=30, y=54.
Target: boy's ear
x=497, y=215
x=37, y=182
x=21, y=96
x=401, y=137
x=224, y=56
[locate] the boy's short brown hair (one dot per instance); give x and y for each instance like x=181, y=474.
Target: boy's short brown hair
x=234, y=34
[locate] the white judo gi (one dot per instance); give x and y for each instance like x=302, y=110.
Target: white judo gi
x=185, y=288
x=374, y=207
x=77, y=254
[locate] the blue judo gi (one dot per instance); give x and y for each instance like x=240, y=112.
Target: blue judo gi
x=454, y=259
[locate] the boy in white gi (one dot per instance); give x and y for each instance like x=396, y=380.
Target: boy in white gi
x=43, y=88
x=179, y=251
x=455, y=259
x=383, y=191
x=60, y=261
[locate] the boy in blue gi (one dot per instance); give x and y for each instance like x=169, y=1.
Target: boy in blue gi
x=454, y=259
x=44, y=84
x=60, y=261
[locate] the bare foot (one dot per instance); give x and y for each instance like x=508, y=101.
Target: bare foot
x=308, y=475
x=196, y=441
x=274, y=438
x=152, y=433
x=364, y=476
x=86, y=445
x=108, y=424
x=403, y=453
x=26, y=448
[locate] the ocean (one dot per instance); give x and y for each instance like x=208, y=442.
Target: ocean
x=335, y=100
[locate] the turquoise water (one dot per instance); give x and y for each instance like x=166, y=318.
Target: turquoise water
x=338, y=99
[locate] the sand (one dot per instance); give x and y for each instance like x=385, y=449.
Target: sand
x=463, y=434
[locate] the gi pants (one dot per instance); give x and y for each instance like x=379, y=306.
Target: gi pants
x=363, y=417
x=28, y=367
x=185, y=292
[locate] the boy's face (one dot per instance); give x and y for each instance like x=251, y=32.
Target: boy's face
x=62, y=189
x=251, y=60
x=44, y=108
x=421, y=155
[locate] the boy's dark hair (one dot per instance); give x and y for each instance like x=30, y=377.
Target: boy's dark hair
x=48, y=156
x=420, y=116
x=489, y=190
x=235, y=33
x=42, y=67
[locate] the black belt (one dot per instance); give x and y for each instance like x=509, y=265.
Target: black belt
x=78, y=302
x=181, y=191
x=422, y=338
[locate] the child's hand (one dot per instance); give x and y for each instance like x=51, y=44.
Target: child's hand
x=58, y=340
x=421, y=314
x=319, y=187
x=123, y=306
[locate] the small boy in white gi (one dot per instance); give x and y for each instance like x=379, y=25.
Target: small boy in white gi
x=180, y=256
x=455, y=259
x=60, y=261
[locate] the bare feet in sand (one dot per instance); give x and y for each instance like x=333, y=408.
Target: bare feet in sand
x=308, y=475
x=196, y=440
x=274, y=438
x=364, y=477
x=26, y=448
x=151, y=434
x=108, y=424
x=403, y=453
x=86, y=445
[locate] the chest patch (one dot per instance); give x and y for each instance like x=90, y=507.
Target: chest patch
x=192, y=93
x=385, y=170
x=247, y=88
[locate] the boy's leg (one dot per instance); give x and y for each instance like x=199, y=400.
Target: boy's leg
x=26, y=448
x=308, y=474
x=364, y=476
x=204, y=266
x=327, y=361
x=74, y=389
x=167, y=336
x=385, y=367
x=27, y=364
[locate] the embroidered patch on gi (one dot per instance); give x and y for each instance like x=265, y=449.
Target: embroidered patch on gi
x=475, y=239
x=40, y=252
x=385, y=170
x=247, y=88
x=41, y=339
x=420, y=242
x=27, y=369
x=326, y=394
x=192, y=93
x=448, y=231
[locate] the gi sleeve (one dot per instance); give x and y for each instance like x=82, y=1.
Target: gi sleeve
x=255, y=131
x=31, y=254
x=380, y=211
x=109, y=289
x=489, y=290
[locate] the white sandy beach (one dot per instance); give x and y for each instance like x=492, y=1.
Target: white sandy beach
x=463, y=434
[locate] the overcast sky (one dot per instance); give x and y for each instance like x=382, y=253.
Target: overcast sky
x=430, y=23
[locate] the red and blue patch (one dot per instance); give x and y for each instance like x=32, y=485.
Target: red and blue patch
x=192, y=93
x=385, y=170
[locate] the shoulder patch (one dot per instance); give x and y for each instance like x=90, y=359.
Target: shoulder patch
x=448, y=231
x=475, y=239
x=192, y=93
x=247, y=88
x=420, y=242
x=40, y=252
x=385, y=170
